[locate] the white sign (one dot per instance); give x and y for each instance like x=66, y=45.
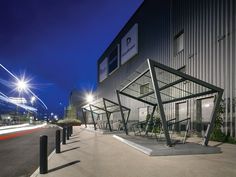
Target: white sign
x=129, y=44
x=103, y=70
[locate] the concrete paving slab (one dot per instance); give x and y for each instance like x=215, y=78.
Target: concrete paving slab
x=152, y=147
x=103, y=131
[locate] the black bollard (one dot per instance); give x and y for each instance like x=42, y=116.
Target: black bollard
x=64, y=136
x=68, y=129
x=68, y=133
x=43, y=159
x=58, y=141
x=71, y=129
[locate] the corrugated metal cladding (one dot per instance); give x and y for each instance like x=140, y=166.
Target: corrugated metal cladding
x=209, y=30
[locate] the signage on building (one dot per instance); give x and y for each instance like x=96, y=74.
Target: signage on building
x=103, y=70
x=113, y=61
x=129, y=44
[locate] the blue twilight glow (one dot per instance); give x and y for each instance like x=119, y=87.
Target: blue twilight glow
x=58, y=42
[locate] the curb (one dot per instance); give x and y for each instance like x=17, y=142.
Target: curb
x=36, y=173
x=134, y=145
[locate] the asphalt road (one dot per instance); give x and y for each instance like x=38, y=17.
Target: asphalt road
x=19, y=156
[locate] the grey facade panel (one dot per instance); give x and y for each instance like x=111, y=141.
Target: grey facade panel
x=209, y=28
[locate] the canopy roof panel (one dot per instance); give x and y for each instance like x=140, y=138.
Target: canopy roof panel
x=173, y=86
x=100, y=106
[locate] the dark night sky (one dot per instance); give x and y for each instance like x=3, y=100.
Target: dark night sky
x=57, y=42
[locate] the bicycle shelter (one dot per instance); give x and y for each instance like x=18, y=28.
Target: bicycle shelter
x=167, y=85
x=105, y=107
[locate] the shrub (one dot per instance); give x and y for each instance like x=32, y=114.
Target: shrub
x=217, y=134
x=69, y=122
x=155, y=122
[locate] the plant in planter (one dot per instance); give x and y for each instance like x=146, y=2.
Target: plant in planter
x=69, y=122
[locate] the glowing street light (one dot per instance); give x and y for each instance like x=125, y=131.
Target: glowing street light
x=22, y=85
x=89, y=98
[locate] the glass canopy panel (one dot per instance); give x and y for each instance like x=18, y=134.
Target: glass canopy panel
x=175, y=87
x=165, y=77
x=171, y=86
x=98, y=103
x=98, y=106
x=142, y=88
x=113, y=107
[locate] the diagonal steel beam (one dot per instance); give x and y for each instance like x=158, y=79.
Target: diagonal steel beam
x=151, y=119
x=84, y=117
x=115, y=103
x=103, y=109
x=172, y=84
x=94, y=124
x=183, y=75
x=121, y=111
x=147, y=102
x=139, y=76
x=158, y=97
x=213, y=118
x=108, y=115
x=190, y=96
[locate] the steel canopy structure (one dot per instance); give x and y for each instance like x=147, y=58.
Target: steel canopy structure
x=107, y=107
x=162, y=85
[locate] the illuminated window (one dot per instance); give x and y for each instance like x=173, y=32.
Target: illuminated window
x=113, y=60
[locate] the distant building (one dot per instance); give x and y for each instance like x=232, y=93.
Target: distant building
x=76, y=101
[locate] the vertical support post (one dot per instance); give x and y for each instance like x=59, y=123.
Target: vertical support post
x=91, y=110
x=151, y=118
x=213, y=118
x=108, y=115
x=127, y=119
x=64, y=135
x=84, y=117
x=58, y=141
x=43, y=159
x=186, y=131
x=121, y=111
x=158, y=97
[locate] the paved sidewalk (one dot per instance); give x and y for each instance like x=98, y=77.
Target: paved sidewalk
x=89, y=154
